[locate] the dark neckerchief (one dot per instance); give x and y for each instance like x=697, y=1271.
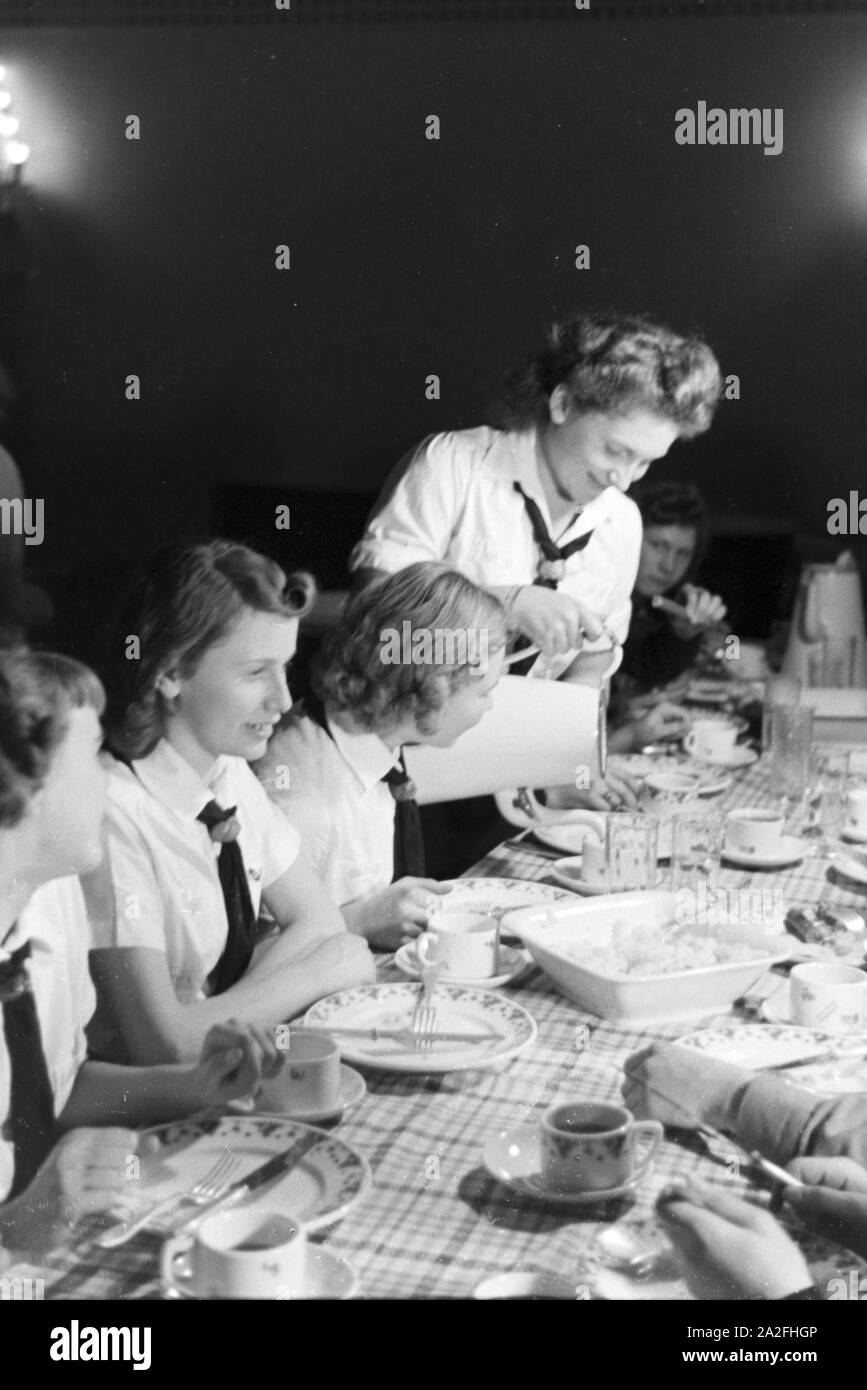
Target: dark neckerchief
x=31, y=1123
x=409, y=855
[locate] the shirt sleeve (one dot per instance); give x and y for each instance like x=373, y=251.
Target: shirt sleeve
x=418, y=508
x=124, y=904
x=281, y=842
x=784, y=1122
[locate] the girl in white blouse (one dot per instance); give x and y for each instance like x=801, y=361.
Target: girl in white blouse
x=53, y=1169
x=194, y=844
x=414, y=659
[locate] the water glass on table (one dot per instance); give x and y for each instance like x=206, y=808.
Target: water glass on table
x=779, y=690
x=631, y=842
x=791, y=742
x=695, y=857
x=824, y=804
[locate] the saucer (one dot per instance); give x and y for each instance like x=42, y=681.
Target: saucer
x=512, y=962
x=325, y=1276
x=514, y=1157
x=526, y=1284
x=740, y=756
x=352, y=1087
x=792, y=851
x=858, y=837
x=567, y=871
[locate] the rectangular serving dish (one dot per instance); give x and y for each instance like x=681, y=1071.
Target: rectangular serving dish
x=638, y=1000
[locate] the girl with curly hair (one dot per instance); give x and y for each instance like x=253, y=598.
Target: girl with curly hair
x=414, y=659
x=195, y=846
x=534, y=509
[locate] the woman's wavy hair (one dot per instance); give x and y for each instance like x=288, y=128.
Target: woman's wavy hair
x=356, y=673
x=184, y=599
x=675, y=504
x=614, y=362
x=38, y=692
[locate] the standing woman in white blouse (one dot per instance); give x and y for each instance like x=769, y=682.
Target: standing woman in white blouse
x=194, y=844
x=535, y=510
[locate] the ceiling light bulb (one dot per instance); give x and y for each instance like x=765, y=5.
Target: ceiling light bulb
x=17, y=152
x=5, y=100
x=9, y=125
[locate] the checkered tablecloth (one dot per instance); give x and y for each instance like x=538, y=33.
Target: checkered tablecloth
x=435, y=1223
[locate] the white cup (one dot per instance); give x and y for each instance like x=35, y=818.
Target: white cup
x=239, y=1254
x=828, y=996
x=856, y=811
x=309, y=1079
x=751, y=830
x=463, y=944
x=711, y=738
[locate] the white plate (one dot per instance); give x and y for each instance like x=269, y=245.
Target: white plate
x=566, y=836
x=777, y=1008
x=858, y=837
x=352, y=1087
x=505, y=1027
x=326, y=1183
x=708, y=692
x=792, y=851
x=514, y=1157
x=325, y=1276
x=525, y=1283
x=492, y=896
x=738, y=757
x=758, y=1045
x=512, y=962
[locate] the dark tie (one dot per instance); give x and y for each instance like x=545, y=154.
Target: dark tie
x=238, y=950
x=31, y=1123
x=408, y=838
x=551, y=551
x=542, y=536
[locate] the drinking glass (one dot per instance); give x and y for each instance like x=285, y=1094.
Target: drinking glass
x=695, y=854
x=630, y=851
x=779, y=690
x=824, y=804
x=791, y=740
x=831, y=662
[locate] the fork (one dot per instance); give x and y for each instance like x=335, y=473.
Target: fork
x=424, y=1015
x=210, y=1188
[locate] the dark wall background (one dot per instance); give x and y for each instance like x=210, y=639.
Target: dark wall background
x=411, y=256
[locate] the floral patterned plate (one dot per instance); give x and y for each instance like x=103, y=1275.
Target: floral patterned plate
x=503, y=1028
x=493, y=896
x=758, y=1045
x=328, y=1180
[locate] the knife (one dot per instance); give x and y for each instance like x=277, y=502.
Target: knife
x=266, y=1172
x=402, y=1035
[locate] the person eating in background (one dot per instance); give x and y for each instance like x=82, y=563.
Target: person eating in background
x=534, y=508
x=334, y=766
x=194, y=844
x=672, y=618
x=54, y=1166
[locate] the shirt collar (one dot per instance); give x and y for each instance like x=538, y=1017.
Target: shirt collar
x=526, y=471
x=366, y=753
x=171, y=779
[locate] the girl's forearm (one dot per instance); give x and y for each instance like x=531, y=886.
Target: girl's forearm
x=107, y=1094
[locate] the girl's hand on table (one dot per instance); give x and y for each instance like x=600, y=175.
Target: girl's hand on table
x=728, y=1248
x=662, y=722
x=396, y=913
x=835, y=1202
x=609, y=793
x=680, y=1087
x=88, y=1170
x=235, y=1058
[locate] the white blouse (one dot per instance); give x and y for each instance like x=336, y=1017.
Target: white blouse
x=331, y=790
x=55, y=922
x=453, y=499
x=158, y=885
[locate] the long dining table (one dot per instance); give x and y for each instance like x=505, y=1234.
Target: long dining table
x=435, y=1223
